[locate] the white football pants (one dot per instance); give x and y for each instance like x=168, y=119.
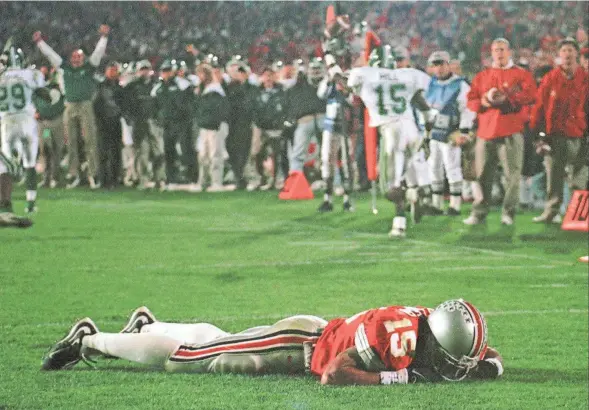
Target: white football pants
x=20, y=134
x=445, y=159
x=401, y=142
x=204, y=348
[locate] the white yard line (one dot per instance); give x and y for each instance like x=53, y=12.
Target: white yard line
x=277, y=316
x=491, y=267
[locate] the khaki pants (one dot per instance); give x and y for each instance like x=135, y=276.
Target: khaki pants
x=148, y=143
x=211, y=145
x=79, y=118
x=261, y=350
x=566, y=160
x=52, y=145
x=488, y=153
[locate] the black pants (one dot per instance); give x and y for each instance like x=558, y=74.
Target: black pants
x=239, y=142
x=179, y=131
x=109, y=152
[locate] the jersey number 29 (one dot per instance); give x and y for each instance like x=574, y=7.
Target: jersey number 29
x=14, y=94
x=398, y=103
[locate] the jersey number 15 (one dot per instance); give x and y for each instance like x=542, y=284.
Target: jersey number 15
x=397, y=103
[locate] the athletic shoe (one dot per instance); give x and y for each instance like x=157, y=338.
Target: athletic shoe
x=473, y=220
x=72, y=181
x=547, y=219
x=348, y=207
x=140, y=317
x=506, y=220
x=432, y=210
x=66, y=353
x=326, y=206
x=399, y=227
x=94, y=183
x=195, y=188
x=452, y=212
x=30, y=208
x=10, y=220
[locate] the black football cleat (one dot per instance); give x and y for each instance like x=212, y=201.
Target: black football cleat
x=140, y=317
x=348, y=207
x=452, y=212
x=66, y=353
x=10, y=220
x=326, y=206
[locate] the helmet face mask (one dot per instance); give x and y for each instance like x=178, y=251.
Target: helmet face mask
x=13, y=58
x=446, y=365
x=458, y=339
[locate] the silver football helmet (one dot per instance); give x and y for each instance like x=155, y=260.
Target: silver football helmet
x=459, y=338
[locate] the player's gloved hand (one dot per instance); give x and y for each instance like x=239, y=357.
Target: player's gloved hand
x=430, y=119
x=289, y=123
x=487, y=369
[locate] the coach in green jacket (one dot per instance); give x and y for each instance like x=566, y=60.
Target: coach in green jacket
x=79, y=87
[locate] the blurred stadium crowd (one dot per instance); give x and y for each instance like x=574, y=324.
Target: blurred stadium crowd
x=161, y=119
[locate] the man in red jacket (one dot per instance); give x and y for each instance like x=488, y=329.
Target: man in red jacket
x=560, y=111
x=498, y=95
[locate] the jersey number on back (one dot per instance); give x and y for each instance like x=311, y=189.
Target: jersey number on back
x=398, y=103
x=14, y=94
x=403, y=337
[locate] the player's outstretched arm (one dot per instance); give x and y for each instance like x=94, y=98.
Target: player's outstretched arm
x=100, y=49
x=345, y=369
x=47, y=51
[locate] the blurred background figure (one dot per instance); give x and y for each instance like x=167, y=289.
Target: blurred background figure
x=79, y=119
x=212, y=116
x=51, y=131
x=269, y=116
x=108, y=106
x=560, y=114
x=241, y=96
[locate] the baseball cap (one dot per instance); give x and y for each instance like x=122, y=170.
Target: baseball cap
x=439, y=56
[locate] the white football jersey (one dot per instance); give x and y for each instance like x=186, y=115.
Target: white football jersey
x=387, y=93
x=16, y=90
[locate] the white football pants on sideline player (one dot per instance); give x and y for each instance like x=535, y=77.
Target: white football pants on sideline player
x=445, y=159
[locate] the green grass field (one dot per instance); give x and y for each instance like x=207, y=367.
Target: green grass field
x=245, y=259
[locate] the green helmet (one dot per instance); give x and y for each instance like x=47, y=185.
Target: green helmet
x=13, y=57
x=382, y=57
x=459, y=338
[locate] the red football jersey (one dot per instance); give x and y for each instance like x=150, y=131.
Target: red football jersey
x=385, y=338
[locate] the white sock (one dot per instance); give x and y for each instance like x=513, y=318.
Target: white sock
x=326, y=197
x=455, y=202
x=346, y=197
x=437, y=201
x=194, y=333
x=152, y=350
x=31, y=195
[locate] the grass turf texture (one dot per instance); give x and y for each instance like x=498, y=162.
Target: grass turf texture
x=245, y=259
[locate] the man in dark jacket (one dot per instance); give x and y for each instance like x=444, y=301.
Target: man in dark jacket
x=306, y=110
x=138, y=109
x=173, y=100
x=107, y=106
x=241, y=97
x=211, y=116
x=269, y=118
x=51, y=131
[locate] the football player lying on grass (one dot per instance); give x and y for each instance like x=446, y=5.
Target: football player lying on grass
x=388, y=345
